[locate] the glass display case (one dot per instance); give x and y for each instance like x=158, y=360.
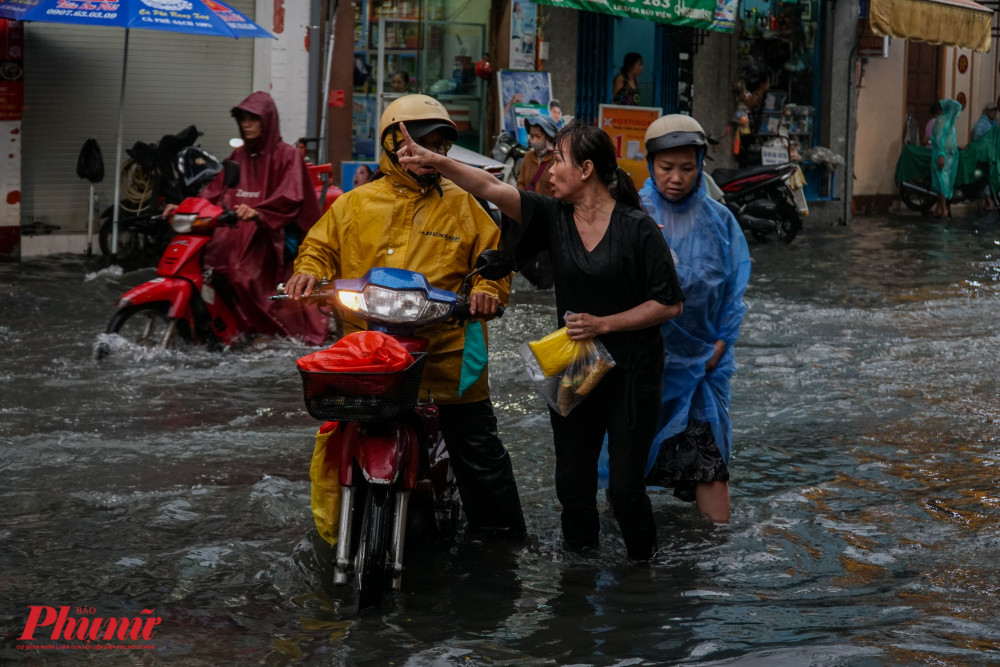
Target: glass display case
x=447, y=67
x=437, y=55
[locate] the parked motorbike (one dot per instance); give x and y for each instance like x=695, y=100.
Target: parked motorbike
x=913, y=172
x=153, y=177
x=766, y=199
x=150, y=180
x=510, y=153
x=186, y=303
x=391, y=454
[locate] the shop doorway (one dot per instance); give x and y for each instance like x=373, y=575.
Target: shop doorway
x=638, y=36
x=668, y=62
x=923, y=76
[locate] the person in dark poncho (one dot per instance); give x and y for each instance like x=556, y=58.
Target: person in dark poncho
x=276, y=206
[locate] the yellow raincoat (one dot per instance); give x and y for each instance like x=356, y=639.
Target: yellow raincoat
x=393, y=222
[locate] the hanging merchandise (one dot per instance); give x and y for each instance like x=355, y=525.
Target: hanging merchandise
x=779, y=84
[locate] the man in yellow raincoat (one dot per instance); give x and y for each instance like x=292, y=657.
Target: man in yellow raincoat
x=421, y=222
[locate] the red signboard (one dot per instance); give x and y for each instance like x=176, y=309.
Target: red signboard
x=11, y=69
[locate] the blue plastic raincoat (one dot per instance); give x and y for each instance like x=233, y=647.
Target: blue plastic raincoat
x=944, y=143
x=982, y=126
x=713, y=265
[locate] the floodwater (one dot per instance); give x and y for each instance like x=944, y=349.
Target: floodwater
x=864, y=481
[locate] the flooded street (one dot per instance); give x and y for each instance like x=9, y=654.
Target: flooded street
x=865, y=485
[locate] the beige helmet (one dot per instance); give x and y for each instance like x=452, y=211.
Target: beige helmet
x=422, y=115
x=674, y=131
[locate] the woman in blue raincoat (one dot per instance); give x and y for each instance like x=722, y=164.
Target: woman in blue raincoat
x=944, y=155
x=692, y=447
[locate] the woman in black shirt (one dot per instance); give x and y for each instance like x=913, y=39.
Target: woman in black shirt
x=614, y=278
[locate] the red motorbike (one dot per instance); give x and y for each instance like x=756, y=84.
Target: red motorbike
x=186, y=303
x=390, y=451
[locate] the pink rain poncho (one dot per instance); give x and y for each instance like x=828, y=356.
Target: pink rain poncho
x=251, y=255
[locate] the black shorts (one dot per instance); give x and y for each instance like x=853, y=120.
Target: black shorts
x=688, y=459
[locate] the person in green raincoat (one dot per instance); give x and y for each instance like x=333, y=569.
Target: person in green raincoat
x=944, y=155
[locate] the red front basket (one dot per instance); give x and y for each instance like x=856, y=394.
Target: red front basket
x=363, y=396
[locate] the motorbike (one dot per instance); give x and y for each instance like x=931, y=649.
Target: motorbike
x=510, y=153
x=766, y=199
x=913, y=174
x=150, y=180
x=186, y=303
x=392, y=458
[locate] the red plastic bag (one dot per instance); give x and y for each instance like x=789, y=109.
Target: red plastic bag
x=361, y=352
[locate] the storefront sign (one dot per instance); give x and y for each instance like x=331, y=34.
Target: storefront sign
x=626, y=126
x=11, y=69
x=705, y=14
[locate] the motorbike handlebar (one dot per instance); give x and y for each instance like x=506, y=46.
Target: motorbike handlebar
x=461, y=311
x=323, y=294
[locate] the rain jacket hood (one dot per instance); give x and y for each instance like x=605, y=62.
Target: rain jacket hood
x=400, y=177
x=691, y=198
x=261, y=104
x=438, y=231
x=713, y=264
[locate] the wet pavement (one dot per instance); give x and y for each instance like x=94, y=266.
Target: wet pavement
x=864, y=484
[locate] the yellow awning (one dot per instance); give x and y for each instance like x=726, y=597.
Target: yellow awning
x=961, y=23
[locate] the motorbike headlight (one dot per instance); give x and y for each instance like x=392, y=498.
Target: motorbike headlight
x=182, y=222
x=394, y=306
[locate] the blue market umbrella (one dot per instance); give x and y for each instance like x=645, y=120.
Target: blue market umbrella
x=196, y=17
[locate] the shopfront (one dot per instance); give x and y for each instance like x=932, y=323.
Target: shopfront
x=667, y=52
x=429, y=47
x=780, y=54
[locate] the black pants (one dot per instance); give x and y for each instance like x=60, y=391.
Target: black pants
x=626, y=406
x=482, y=468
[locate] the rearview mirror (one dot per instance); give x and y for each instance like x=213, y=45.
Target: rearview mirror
x=231, y=171
x=493, y=264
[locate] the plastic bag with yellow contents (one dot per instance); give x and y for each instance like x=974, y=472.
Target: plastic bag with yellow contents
x=565, y=371
x=555, y=352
